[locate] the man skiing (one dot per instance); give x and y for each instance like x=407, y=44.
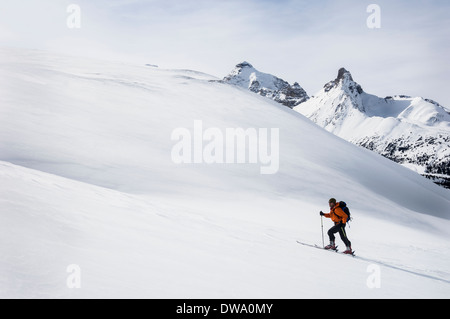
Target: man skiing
x=339, y=217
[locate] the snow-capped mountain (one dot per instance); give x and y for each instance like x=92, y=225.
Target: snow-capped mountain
x=90, y=193
x=414, y=132
x=246, y=76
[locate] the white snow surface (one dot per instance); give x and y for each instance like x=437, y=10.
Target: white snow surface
x=87, y=179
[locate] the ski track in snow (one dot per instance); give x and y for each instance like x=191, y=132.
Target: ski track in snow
x=403, y=268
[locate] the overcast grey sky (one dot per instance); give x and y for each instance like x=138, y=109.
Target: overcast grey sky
x=303, y=41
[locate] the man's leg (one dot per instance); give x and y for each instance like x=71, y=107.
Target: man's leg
x=343, y=235
x=333, y=230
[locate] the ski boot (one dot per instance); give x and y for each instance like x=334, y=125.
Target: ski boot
x=349, y=251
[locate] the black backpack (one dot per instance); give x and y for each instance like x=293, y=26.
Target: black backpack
x=344, y=207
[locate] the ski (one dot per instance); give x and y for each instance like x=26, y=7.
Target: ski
x=317, y=246
x=331, y=250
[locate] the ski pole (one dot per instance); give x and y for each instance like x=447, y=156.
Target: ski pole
x=321, y=223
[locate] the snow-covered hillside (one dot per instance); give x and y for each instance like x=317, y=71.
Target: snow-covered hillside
x=268, y=85
x=414, y=132
x=88, y=179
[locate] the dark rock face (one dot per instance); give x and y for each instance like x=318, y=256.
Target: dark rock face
x=294, y=95
x=345, y=78
x=286, y=94
x=420, y=152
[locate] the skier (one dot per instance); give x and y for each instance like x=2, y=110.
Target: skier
x=339, y=217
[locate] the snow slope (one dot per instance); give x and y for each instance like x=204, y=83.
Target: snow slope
x=88, y=179
x=411, y=131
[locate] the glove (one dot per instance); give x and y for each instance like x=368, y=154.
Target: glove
x=321, y=213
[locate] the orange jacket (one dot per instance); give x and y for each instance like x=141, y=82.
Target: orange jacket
x=337, y=215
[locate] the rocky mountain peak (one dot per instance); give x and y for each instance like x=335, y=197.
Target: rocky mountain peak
x=411, y=131
x=268, y=85
x=345, y=81
x=244, y=64
x=344, y=74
